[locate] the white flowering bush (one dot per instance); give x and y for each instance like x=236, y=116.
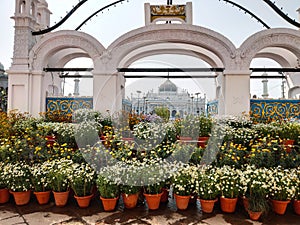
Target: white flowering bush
x=81, y=115
x=87, y=133
x=296, y=182
x=281, y=185
x=40, y=176
x=208, y=186
x=3, y=178
x=82, y=179
x=59, y=174
x=229, y=179
x=18, y=176
x=255, y=181
x=184, y=180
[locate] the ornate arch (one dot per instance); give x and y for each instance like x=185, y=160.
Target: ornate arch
x=207, y=39
x=284, y=38
x=57, y=41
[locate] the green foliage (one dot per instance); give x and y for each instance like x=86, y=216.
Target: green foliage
x=163, y=112
x=107, y=188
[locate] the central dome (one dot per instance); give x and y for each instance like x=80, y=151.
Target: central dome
x=167, y=86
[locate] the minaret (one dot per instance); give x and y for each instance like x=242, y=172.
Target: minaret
x=25, y=23
x=76, y=86
x=265, y=86
x=43, y=15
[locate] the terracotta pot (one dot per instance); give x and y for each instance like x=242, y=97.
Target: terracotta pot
x=288, y=144
x=61, y=198
x=130, y=201
x=109, y=204
x=296, y=206
x=279, y=207
x=4, y=195
x=207, y=206
x=228, y=205
x=84, y=201
x=254, y=215
x=182, y=202
x=42, y=197
x=245, y=203
x=22, y=197
x=50, y=140
x=165, y=196
x=185, y=140
x=153, y=200
x=202, y=141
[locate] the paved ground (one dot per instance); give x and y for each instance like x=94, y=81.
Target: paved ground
x=34, y=214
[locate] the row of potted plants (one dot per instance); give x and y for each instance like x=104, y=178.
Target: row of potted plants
x=151, y=177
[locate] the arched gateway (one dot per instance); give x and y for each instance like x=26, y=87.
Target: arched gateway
x=28, y=82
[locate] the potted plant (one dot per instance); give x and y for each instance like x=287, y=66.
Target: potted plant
x=296, y=185
x=281, y=189
x=4, y=192
x=205, y=126
x=183, y=185
x=19, y=182
x=289, y=132
x=257, y=205
x=208, y=188
x=229, y=179
x=59, y=174
x=41, y=182
x=130, y=195
x=82, y=181
x=109, y=190
x=254, y=187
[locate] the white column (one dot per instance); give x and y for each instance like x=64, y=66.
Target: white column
x=236, y=92
x=107, y=93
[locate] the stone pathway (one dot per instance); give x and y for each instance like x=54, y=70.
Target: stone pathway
x=34, y=214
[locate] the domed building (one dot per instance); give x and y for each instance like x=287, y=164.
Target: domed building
x=3, y=88
x=179, y=101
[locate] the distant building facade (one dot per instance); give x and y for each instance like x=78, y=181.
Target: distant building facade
x=178, y=101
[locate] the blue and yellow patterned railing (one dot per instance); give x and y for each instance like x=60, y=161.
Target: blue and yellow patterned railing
x=275, y=108
x=67, y=104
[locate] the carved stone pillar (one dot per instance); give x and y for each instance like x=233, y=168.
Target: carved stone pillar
x=236, y=93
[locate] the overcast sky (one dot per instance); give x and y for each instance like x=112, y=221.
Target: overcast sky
x=108, y=26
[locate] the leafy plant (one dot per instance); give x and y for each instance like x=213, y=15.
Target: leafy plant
x=207, y=183
x=18, y=176
x=108, y=188
x=40, y=176
x=60, y=172
x=82, y=179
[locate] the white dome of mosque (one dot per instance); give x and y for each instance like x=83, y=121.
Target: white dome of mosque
x=167, y=86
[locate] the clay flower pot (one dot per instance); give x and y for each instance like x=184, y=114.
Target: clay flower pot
x=83, y=201
x=61, y=198
x=109, y=204
x=202, y=141
x=153, y=200
x=21, y=197
x=228, y=205
x=207, y=206
x=42, y=197
x=296, y=205
x=4, y=195
x=130, y=201
x=165, y=196
x=182, y=202
x=254, y=215
x=279, y=207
